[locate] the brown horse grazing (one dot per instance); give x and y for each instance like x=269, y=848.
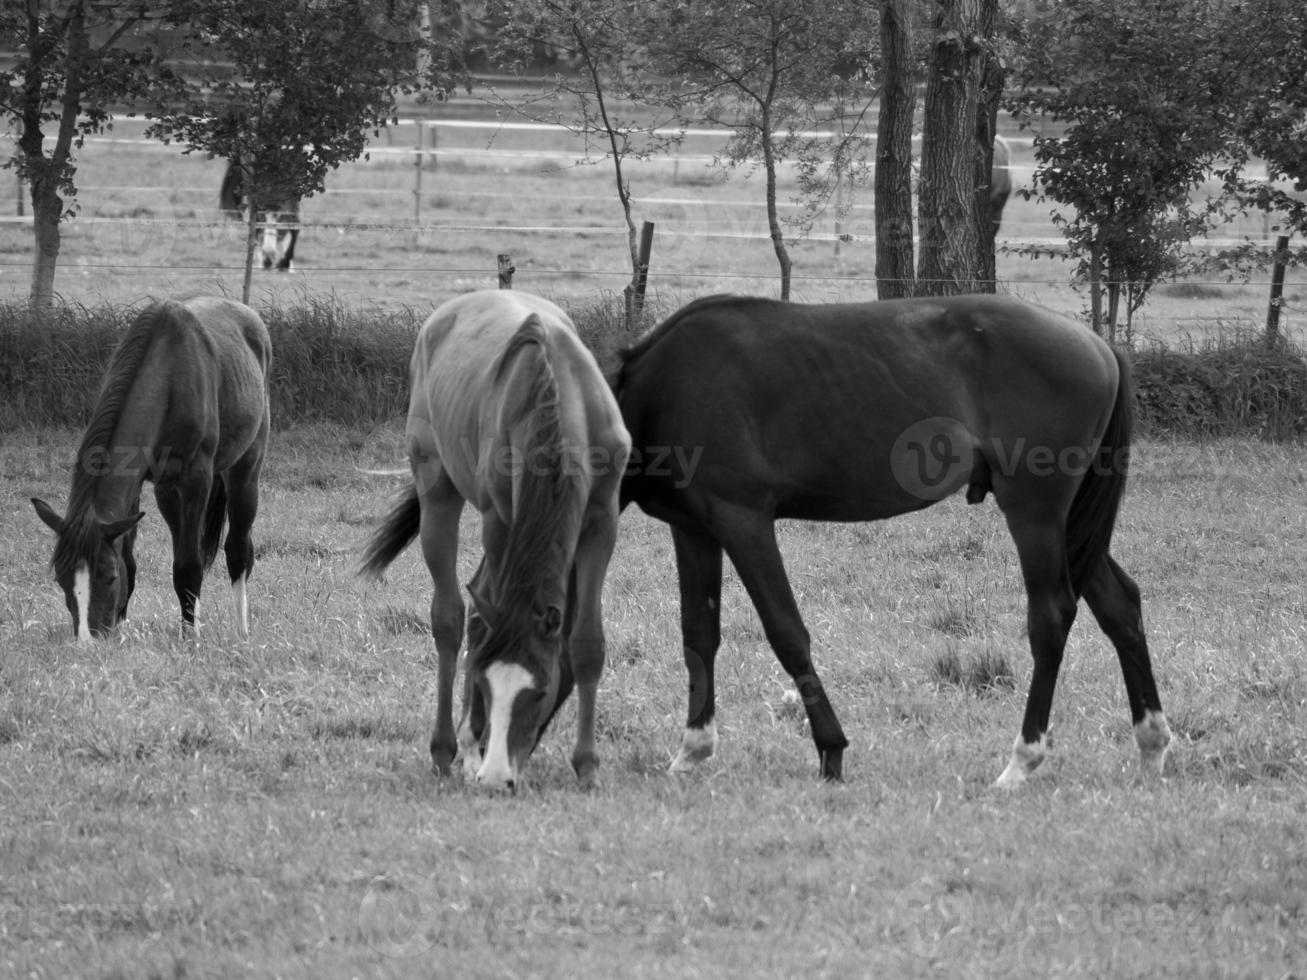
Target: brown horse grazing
x=509, y=412
x=743, y=411
x=184, y=404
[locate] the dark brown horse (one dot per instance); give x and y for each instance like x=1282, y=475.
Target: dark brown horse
x=184, y=404
x=743, y=411
x=509, y=412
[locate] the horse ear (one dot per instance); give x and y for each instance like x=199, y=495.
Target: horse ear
x=115, y=529
x=48, y=514
x=549, y=622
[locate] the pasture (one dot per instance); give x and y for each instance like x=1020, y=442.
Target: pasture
x=265, y=807
x=380, y=236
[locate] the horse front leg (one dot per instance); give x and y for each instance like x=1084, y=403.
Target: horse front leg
x=749, y=537
x=183, y=505
x=586, y=646
x=699, y=572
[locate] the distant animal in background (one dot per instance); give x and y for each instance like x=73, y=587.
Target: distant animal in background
x=1000, y=181
x=278, y=226
x=184, y=404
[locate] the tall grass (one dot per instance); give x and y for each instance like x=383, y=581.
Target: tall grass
x=334, y=362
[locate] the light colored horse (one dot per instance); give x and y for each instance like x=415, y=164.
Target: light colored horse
x=509, y=412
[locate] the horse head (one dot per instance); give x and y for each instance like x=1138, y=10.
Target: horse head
x=92, y=568
x=518, y=667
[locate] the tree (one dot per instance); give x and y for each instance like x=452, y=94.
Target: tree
x=311, y=79
x=1143, y=92
x=957, y=149
x=893, y=187
x=605, y=71
x=76, y=61
x=785, y=76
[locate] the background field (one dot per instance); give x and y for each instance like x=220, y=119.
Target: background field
x=149, y=227
x=265, y=808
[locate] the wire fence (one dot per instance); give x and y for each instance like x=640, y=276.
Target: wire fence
x=395, y=217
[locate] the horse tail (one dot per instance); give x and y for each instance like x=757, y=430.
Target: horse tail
x=1094, y=509
x=394, y=534
x=215, y=516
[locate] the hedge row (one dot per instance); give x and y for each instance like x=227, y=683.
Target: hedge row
x=342, y=365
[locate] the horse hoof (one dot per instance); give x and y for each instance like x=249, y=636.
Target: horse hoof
x=832, y=766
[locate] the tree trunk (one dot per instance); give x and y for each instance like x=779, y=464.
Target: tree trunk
x=946, y=221
x=893, y=188
x=45, y=175
x=47, y=209
x=990, y=94
x=773, y=217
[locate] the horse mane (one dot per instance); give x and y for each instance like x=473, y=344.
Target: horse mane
x=547, y=508
x=80, y=538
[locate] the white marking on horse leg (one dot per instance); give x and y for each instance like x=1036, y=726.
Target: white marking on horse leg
x=506, y=681
x=1153, y=736
x=697, y=744
x=1026, y=757
x=238, y=591
x=82, y=600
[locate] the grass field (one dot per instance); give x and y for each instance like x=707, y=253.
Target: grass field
x=265, y=808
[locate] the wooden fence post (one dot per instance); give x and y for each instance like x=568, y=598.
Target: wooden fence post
x=417, y=179
x=635, y=292
x=1277, y=291
x=506, y=271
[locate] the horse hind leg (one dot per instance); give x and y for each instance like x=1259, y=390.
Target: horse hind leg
x=1041, y=550
x=242, y=507
x=1114, y=600
x=438, y=534
x=699, y=570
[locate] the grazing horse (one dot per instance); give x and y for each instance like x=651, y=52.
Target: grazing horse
x=743, y=411
x=184, y=404
x=509, y=412
x=278, y=226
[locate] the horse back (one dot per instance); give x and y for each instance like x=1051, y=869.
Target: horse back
x=206, y=376
x=474, y=378
x=809, y=410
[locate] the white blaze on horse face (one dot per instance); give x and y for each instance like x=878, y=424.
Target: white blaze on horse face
x=506, y=681
x=1026, y=757
x=82, y=601
x=242, y=605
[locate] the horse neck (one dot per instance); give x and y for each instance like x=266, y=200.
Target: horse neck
x=549, y=491
x=118, y=453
